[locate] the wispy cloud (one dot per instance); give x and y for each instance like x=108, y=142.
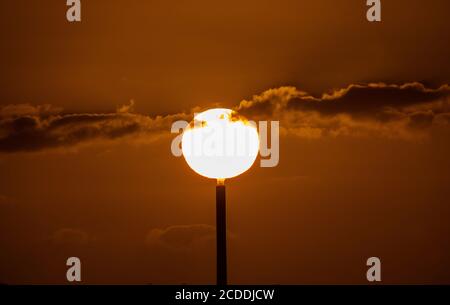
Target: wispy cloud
x=70, y=237
x=184, y=238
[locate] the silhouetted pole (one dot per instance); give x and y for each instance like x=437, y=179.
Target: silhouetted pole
x=221, y=233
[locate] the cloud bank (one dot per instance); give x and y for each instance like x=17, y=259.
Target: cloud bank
x=405, y=111
x=376, y=109
x=34, y=128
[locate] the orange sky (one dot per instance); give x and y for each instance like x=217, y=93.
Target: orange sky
x=364, y=111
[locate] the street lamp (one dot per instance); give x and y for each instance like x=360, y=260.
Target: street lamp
x=219, y=144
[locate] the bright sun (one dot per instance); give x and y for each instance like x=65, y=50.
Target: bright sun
x=219, y=144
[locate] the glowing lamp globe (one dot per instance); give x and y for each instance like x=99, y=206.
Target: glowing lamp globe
x=219, y=144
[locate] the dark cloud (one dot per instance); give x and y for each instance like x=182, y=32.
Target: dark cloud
x=354, y=100
x=29, y=128
x=378, y=109
x=366, y=99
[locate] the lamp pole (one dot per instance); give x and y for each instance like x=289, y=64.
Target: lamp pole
x=221, y=125
x=221, y=233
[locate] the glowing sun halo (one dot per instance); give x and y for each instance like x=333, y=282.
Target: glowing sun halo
x=219, y=145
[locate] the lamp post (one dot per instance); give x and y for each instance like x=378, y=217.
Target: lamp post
x=221, y=232
x=220, y=145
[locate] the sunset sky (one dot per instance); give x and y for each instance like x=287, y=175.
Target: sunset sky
x=86, y=168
